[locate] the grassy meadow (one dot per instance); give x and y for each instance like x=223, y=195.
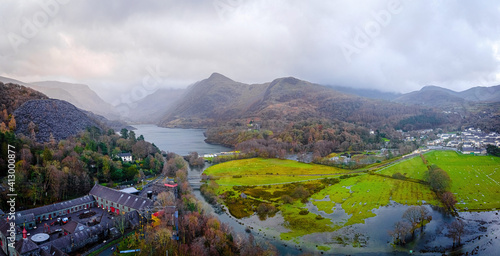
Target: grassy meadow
x=411, y=168
x=475, y=179
x=276, y=184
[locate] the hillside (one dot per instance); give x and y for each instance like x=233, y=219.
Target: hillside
x=435, y=96
x=13, y=96
x=79, y=95
x=210, y=100
x=153, y=107
x=432, y=96
x=220, y=99
x=367, y=93
x=51, y=117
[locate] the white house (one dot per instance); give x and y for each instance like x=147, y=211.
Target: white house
x=126, y=157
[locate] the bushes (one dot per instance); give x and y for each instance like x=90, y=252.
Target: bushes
x=439, y=180
x=266, y=210
x=287, y=199
x=303, y=212
x=398, y=176
x=330, y=181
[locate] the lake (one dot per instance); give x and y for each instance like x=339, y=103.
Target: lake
x=180, y=141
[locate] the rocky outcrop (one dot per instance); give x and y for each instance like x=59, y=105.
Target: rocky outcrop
x=50, y=116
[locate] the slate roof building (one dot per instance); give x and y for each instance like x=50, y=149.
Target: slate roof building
x=117, y=201
x=77, y=235
x=29, y=217
x=49, y=250
x=4, y=233
x=27, y=247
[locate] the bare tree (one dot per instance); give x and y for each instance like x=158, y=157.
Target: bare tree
x=166, y=198
x=425, y=215
x=456, y=230
x=448, y=200
x=401, y=229
x=413, y=215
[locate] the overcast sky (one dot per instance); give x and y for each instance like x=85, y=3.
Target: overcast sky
x=114, y=46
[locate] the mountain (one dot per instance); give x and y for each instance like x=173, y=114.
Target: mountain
x=13, y=96
x=79, y=95
x=435, y=96
x=220, y=99
x=211, y=99
x=367, y=93
x=482, y=94
x=51, y=117
x=153, y=107
x=432, y=96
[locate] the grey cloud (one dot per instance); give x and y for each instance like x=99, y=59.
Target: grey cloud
x=110, y=44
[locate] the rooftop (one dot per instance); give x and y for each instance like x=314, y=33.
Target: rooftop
x=130, y=190
x=56, y=207
x=119, y=197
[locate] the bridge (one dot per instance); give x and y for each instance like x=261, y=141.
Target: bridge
x=195, y=182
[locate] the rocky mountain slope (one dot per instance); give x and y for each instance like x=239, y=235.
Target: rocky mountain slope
x=79, y=95
x=219, y=99
x=50, y=117
x=13, y=96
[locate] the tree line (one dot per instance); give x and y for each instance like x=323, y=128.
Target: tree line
x=55, y=171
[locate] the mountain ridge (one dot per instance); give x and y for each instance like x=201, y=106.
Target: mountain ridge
x=220, y=99
x=80, y=95
x=436, y=96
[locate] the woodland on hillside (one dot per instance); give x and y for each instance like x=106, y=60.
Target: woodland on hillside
x=65, y=169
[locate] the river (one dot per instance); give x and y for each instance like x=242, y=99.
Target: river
x=483, y=228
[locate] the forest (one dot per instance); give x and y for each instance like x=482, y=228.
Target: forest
x=57, y=171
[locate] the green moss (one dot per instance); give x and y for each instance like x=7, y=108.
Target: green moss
x=301, y=225
x=323, y=248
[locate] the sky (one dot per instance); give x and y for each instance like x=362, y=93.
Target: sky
x=118, y=46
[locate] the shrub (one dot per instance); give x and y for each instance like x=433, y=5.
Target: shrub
x=287, y=199
x=303, y=212
x=398, y=176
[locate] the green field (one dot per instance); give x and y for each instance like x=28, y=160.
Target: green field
x=475, y=183
x=411, y=168
x=259, y=171
x=475, y=179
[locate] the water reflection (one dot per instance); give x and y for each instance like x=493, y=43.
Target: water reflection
x=180, y=141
